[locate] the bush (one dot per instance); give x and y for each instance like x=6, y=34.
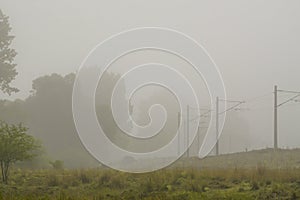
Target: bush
x=58, y=165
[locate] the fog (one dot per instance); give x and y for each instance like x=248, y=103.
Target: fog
x=255, y=44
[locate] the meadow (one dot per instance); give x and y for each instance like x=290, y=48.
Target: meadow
x=262, y=175
x=179, y=184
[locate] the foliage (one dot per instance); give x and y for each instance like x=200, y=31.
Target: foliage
x=58, y=164
x=15, y=145
x=7, y=66
x=48, y=114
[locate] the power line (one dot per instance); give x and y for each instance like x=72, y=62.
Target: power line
x=237, y=104
x=232, y=107
x=290, y=105
x=289, y=100
x=289, y=91
x=236, y=107
x=230, y=101
x=276, y=106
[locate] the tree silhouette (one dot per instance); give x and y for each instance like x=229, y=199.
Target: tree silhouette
x=7, y=66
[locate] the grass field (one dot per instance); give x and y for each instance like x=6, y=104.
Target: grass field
x=219, y=181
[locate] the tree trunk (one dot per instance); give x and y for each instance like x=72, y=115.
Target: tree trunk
x=6, y=168
x=4, y=171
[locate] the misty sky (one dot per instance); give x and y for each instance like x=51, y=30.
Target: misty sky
x=255, y=44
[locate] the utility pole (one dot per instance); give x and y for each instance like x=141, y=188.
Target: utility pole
x=198, y=139
x=178, y=130
x=218, y=100
x=236, y=104
x=217, y=125
x=188, y=129
x=276, y=106
x=275, y=118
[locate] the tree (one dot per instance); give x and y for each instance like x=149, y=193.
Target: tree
x=7, y=66
x=15, y=145
x=48, y=113
x=49, y=116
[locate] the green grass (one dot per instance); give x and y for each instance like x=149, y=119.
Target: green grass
x=260, y=183
x=261, y=175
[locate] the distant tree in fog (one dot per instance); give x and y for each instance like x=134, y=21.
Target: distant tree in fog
x=48, y=114
x=7, y=54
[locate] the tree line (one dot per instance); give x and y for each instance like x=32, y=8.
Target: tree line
x=43, y=121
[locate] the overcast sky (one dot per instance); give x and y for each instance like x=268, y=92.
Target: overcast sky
x=255, y=43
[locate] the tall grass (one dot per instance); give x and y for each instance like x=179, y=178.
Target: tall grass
x=94, y=184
